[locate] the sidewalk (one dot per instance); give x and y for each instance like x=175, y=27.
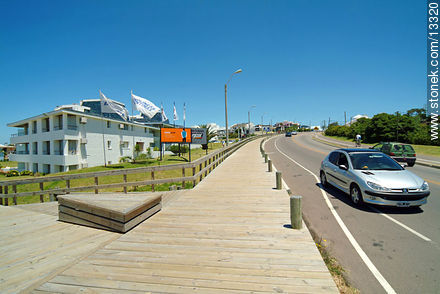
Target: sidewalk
x=227, y=235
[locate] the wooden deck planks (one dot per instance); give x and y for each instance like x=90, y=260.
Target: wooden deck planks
x=226, y=235
x=34, y=246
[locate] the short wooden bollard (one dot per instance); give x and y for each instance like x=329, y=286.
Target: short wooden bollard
x=265, y=157
x=278, y=178
x=269, y=165
x=295, y=212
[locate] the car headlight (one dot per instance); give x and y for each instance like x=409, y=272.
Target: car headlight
x=424, y=187
x=377, y=187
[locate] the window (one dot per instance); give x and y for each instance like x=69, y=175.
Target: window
x=145, y=130
x=132, y=128
x=125, y=145
x=109, y=144
x=333, y=157
x=343, y=159
x=109, y=124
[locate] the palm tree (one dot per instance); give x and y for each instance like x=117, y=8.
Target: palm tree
x=210, y=132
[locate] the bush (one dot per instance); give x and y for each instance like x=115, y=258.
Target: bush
x=125, y=159
x=26, y=173
x=12, y=173
x=156, y=149
x=175, y=149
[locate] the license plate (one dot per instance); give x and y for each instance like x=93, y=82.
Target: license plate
x=403, y=204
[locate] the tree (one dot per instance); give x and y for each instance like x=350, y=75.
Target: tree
x=210, y=132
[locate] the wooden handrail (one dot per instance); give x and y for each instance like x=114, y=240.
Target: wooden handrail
x=214, y=158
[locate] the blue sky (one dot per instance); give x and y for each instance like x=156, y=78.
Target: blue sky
x=302, y=60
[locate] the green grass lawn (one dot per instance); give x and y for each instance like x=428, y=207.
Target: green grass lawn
x=167, y=160
x=8, y=163
x=420, y=149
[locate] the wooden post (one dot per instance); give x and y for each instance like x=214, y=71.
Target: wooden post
x=6, y=199
x=41, y=194
x=201, y=174
x=68, y=186
x=278, y=179
x=51, y=197
x=265, y=157
x=206, y=171
x=194, y=173
x=14, y=188
x=152, y=177
x=295, y=212
x=1, y=192
x=209, y=163
x=96, y=184
x=125, y=181
x=183, y=175
x=269, y=165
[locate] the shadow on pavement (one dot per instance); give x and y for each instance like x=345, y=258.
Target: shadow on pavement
x=345, y=198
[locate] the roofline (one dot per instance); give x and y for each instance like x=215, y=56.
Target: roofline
x=46, y=114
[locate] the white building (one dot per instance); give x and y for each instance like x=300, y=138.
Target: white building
x=77, y=136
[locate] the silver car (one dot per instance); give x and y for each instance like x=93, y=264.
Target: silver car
x=373, y=177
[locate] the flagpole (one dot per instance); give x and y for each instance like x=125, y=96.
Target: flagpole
x=103, y=140
x=132, y=119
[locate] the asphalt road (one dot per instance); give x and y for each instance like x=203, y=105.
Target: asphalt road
x=403, y=245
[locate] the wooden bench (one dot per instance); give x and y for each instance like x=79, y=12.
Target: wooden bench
x=113, y=212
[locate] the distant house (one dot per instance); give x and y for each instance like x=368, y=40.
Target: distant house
x=77, y=136
x=355, y=118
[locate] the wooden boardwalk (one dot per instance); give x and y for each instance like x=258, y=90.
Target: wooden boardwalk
x=228, y=235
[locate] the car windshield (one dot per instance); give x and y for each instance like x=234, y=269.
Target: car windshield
x=373, y=161
x=408, y=148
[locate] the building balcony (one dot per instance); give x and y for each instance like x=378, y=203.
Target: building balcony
x=57, y=128
x=72, y=127
x=22, y=152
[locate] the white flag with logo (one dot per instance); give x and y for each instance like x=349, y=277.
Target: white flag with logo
x=110, y=106
x=144, y=106
x=175, y=113
x=184, y=110
x=164, y=117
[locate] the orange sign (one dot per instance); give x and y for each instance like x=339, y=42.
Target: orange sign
x=175, y=135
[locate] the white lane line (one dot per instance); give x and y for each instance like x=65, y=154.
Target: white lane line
x=387, y=287
x=400, y=224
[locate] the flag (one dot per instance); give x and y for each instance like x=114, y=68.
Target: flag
x=184, y=110
x=144, y=106
x=110, y=106
x=175, y=113
x=164, y=117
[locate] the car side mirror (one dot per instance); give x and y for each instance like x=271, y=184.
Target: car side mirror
x=342, y=166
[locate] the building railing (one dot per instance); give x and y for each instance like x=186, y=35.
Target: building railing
x=22, y=152
x=45, y=152
x=198, y=170
x=58, y=152
x=72, y=127
x=57, y=128
x=45, y=130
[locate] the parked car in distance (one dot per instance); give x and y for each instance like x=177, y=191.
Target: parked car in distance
x=294, y=133
x=398, y=151
x=288, y=134
x=371, y=176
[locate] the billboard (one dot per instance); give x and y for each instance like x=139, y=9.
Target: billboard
x=175, y=135
x=198, y=136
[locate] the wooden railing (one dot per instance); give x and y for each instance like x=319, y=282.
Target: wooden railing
x=199, y=169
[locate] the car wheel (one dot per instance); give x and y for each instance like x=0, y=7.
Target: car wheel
x=323, y=179
x=356, y=195
x=411, y=164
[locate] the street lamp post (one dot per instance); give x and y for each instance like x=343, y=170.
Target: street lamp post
x=249, y=119
x=226, y=105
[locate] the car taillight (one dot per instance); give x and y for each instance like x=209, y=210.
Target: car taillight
x=414, y=155
x=392, y=153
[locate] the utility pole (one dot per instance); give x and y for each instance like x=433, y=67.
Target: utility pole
x=329, y=121
x=345, y=118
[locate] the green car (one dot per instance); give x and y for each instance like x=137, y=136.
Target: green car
x=398, y=151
